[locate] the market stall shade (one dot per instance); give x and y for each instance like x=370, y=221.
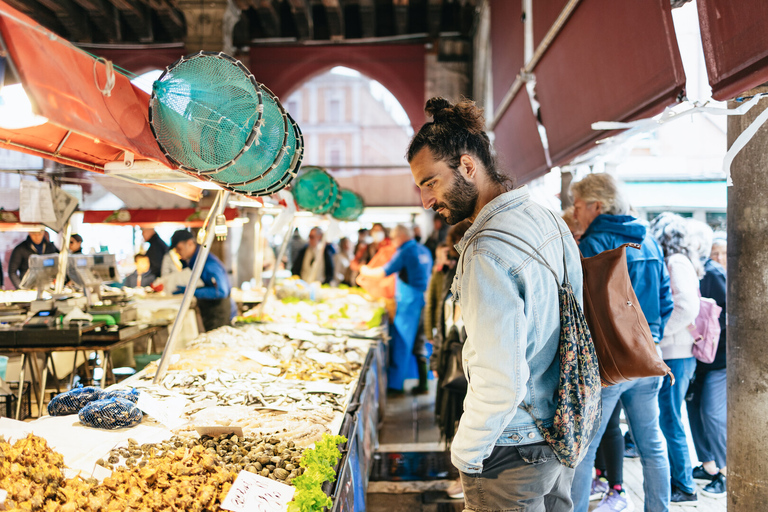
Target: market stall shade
x=213, y=119
x=189, y=217
x=93, y=114
x=735, y=45
x=602, y=61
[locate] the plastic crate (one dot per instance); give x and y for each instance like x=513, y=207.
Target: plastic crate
x=8, y=402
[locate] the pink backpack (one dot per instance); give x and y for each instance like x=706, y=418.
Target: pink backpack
x=706, y=330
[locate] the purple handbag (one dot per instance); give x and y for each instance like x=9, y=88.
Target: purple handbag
x=706, y=330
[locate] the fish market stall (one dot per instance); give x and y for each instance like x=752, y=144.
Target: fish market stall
x=252, y=398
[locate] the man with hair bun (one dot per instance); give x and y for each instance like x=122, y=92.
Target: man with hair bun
x=510, y=309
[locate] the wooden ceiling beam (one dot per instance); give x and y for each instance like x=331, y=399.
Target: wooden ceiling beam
x=170, y=17
x=104, y=17
x=71, y=17
x=335, y=16
x=434, y=15
x=368, y=17
x=401, y=16
x=302, y=16
x=38, y=13
x=269, y=17
x=135, y=16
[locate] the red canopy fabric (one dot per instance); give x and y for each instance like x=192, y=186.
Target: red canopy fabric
x=190, y=217
x=611, y=61
x=735, y=39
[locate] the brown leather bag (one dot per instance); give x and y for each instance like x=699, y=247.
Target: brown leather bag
x=623, y=341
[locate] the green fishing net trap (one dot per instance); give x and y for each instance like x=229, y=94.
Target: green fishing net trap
x=212, y=118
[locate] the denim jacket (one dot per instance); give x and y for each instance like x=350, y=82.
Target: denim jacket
x=510, y=308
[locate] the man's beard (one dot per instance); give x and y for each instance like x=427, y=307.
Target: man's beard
x=460, y=200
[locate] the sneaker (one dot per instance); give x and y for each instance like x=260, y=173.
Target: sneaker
x=680, y=497
x=630, y=452
x=715, y=489
x=615, y=501
x=599, y=487
x=700, y=474
x=455, y=491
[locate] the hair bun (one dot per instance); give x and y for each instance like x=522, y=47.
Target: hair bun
x=438, y=108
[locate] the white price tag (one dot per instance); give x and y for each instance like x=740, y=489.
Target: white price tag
x=3, y=495
x=255, y=493
x=168, y=412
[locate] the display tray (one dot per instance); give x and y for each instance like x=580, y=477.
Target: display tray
x=7, y=337
x=107, y=335
x=58, y=336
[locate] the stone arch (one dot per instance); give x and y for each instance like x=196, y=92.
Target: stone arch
x=399, y=68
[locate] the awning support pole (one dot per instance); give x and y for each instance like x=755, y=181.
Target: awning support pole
x=61, y=275
x=217, y=209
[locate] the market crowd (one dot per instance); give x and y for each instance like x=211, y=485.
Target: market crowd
x=494, y=315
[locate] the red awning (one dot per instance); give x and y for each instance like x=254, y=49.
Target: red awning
x=735, y=39
x=86, y=128
x=611, y=61
x=190, y=217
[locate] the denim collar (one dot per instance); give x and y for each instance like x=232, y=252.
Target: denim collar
x=501, y=202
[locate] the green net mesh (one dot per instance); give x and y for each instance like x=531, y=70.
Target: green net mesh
x=315, y=190
x=268, y=148
x=350, y=206
x=204, y=111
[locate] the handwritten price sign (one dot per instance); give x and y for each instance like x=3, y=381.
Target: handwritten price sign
x=254, y=493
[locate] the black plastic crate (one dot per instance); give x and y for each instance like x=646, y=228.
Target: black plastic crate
x=8, y=402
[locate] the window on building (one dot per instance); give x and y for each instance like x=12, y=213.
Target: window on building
x=334, y=110
x=717, y=221
x=334, y=153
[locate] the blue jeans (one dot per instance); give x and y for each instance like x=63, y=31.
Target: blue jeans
x=708, y=415
x=671, y=422
x=641, y=405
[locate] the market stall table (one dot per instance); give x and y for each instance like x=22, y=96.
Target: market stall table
x=81, y=338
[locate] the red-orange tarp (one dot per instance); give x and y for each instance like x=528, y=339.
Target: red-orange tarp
x=63, y=84
x=190, y=217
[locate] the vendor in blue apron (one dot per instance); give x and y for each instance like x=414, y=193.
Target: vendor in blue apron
x=413, y=265
x=213, y=297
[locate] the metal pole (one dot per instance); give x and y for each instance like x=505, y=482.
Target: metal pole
x=258, y=260
x=197, y=270
x=273, y=277
x=61, y=275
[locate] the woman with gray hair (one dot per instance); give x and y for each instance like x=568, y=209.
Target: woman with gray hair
x=707, y=394
x=603, y=213
x=685, y=269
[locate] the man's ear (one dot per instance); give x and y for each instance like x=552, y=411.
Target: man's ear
x=470, y=168
x=599, y=207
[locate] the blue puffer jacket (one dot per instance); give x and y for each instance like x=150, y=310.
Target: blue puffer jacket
x=647, y=270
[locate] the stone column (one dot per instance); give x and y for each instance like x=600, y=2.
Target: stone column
x=747, y=307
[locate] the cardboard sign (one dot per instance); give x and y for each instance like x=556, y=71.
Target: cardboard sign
x=217, y=430
x=254, y=493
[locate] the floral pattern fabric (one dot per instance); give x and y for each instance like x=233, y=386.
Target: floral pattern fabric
x=579, y=410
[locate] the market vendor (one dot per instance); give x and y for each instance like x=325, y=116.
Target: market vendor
x=156, y=250
x=141, y=276
x=35, y=243
x=213, y=297
x=413, y=265
x=75, y=244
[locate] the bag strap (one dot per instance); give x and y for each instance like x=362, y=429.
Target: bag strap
x=537, y=256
